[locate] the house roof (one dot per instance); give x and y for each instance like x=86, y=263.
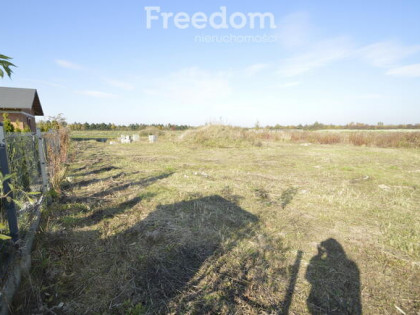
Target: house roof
x=18, y=98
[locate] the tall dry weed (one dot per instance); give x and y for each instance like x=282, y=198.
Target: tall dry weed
x=57, y=143
x=228, y=136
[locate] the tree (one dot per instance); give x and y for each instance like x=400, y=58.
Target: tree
x=5, y=64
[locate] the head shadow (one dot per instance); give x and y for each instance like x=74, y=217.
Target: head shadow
x=335, y=281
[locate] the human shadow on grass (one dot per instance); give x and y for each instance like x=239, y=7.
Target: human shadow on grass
x=335, y=281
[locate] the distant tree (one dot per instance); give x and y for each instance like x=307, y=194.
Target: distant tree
x=53, y=123
x=5, y=64
x=110, y=126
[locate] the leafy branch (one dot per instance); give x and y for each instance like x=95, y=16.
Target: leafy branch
x=5, y=64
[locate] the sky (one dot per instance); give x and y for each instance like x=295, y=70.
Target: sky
x=327, y=61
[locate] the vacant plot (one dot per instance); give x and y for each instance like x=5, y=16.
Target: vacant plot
x=176, y=227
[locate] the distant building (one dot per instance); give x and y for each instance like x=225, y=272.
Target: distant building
x=21, y=105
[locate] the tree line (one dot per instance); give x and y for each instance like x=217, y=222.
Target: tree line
x=54, y=122
x=130, y=127
x=350, y=126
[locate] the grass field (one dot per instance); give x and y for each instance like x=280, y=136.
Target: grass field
x=271, y=227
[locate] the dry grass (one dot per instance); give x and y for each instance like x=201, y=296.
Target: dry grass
x=317, y=137
x=227, y=136
x=57, y=149
x=219, y=136
x=386, y=139
x=180, y=227
x=381, y=139
x=223, y=136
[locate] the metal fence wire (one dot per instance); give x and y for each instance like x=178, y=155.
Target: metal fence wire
x=23, y=157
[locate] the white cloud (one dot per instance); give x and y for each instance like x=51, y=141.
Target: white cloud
x=386, y=54
x=120, y=84
x=97, y=94
x=44, y=82
x=294, y=29
x=254, y=69
x=320, y=55
x=67, y=64
x=406, y=71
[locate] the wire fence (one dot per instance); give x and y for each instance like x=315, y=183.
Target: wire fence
x=25, y=173
x=24, y=162
x=30, y=163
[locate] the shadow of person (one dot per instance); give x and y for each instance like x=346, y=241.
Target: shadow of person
x=335, y=281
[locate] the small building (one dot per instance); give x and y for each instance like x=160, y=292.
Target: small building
x=21, y=105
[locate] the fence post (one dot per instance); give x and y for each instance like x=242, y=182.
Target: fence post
x=42, y=161
x=9, y=205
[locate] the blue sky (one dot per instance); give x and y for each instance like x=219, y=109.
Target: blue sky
x=327, y=61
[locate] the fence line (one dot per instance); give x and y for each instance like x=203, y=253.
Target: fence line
x=42, y=160
x=9, y=204
x=29, y=162
x=23, y=162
